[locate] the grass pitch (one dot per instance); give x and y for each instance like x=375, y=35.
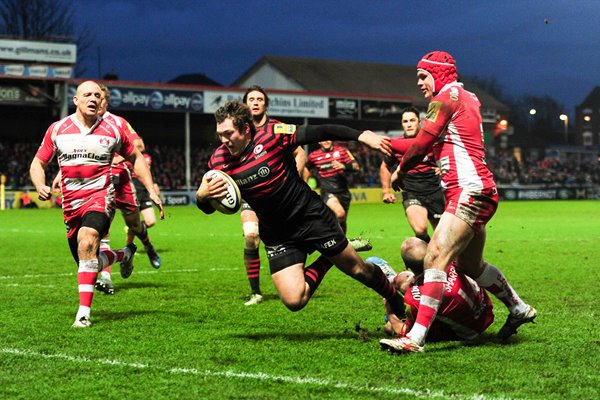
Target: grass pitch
x=183, y=331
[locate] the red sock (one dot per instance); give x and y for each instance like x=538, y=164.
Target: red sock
x=86, y=278
x=252, y=264
x=315, y=272
x=432, y=293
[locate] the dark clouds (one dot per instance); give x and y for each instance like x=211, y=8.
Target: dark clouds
x=509, y=40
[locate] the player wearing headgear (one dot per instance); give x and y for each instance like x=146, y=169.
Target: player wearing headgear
x=453, y=130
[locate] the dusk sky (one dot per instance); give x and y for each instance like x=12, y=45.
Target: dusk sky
x=530, y=47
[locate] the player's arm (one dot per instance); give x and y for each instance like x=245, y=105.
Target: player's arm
x=37, y=172
x=385, y=177
x=318, y=133
x=300, y=157
x=142, y=171
x=210, y=188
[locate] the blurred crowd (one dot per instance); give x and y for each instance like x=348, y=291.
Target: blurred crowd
x=168, y=167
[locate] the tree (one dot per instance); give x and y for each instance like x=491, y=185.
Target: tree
x=44, y=20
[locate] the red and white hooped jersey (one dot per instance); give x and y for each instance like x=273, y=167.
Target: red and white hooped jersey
x=84, y=156
x=466, y=309
x=126, y=130
x=454, y=117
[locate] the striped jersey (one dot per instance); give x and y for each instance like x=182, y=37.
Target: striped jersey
x=266, y=174
x=330, y=179
x=421, y=179
x=466, y=309
x=126, y=129
x=453, y=115
x=84, y=156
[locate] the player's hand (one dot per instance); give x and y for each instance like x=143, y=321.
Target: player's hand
x=156, y=199
x=389, y=198
x=44, y=192
x=397, y=180
x=376, y=142
x=56, y=184
x=211, y=188
x=337, y=165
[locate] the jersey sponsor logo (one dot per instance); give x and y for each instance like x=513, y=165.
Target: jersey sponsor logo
x=328, y=244
x=454, y=94
x=284, y=129
x=433, y=111
x=264, y=172
x=93, y=156
x=273, y=251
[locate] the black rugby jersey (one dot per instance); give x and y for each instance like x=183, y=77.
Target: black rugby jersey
x=421, y=180
x=330, y=179
x=266, y=173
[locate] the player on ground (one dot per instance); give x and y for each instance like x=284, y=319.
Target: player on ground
x=452, y=128
x=126, y=196
x=293, y=220
x=422, y=196
x=257, y=100
x=84, y=145
x=331, y=163
x=465, y=312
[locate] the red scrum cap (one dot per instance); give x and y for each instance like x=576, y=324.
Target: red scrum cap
x=441, y=66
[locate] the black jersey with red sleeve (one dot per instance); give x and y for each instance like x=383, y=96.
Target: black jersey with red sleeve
x=420, y=180
x=266, y=174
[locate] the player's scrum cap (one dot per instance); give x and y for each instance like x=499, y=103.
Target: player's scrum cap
x=441, y=66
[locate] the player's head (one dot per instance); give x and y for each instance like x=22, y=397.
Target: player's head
x=105, y=99
x=234, y=126
x=87, y=99
x=410, y=121
x=404, y=280
x=434, y=71
x=326, y=145
x=413, y=253
x=257, y=100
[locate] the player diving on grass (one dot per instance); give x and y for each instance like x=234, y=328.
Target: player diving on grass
x=294, y=221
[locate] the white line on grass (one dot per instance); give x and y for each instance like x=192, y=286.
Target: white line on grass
x=295, y=380
x=167, y=271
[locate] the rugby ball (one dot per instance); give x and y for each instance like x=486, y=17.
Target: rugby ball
x=232, y=202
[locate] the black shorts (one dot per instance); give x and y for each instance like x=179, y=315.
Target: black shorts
x=96, y=220
x=344, y=198
x=142, y=195
x=317, y=229
x=245, y=206
x=435, y=202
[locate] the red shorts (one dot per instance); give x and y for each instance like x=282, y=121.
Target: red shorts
x=102, y=202
x=475, y=208
x=125, y=194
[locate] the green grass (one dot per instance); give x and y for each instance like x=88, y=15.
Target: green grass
x=183, y=331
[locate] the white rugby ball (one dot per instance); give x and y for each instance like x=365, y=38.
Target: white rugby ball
x=232, y=202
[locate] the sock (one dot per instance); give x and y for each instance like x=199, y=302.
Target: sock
x=105, y=243
x=252, y=264
x=432, y=293
x=315, y=272
x=86, y=278
x=143, y=236
x=494, y=281
x=381, y=284
x=107, y=258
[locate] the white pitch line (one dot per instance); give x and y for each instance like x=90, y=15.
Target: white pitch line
x=165, y=271
x=261, y=376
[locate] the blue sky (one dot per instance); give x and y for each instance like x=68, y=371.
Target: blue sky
x=157, y=40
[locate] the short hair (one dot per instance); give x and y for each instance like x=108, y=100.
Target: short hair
x=106, y=92
x=239, y=114
x=256, y=88
x=413, y=253
x=411, y=109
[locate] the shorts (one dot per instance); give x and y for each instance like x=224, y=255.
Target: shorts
x=344, y=198
x=100, y=203
x=93, y=219
x=317, y=229
x=475, y=208
x=434, y=203
x=143, y=196
x=125, y=193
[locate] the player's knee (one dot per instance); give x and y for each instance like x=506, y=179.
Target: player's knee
x=295, y=306
x=251, y=240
